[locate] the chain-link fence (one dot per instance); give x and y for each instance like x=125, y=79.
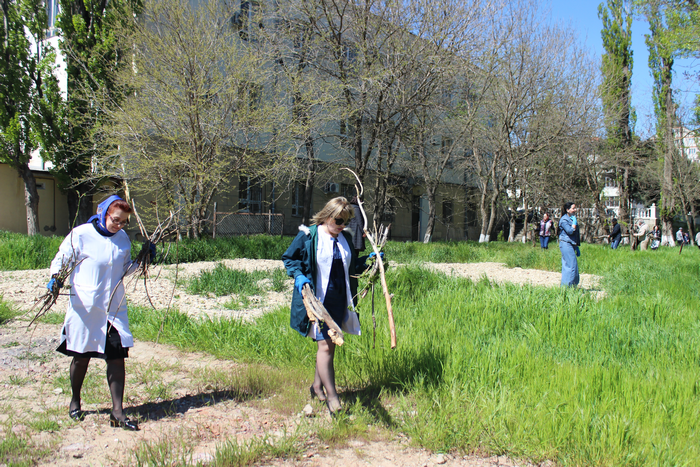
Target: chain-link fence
x=226, y=224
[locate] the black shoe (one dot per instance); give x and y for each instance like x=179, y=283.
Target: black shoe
x=314, y=394
x=77, y=415
x=337, y=412
x=127, y=423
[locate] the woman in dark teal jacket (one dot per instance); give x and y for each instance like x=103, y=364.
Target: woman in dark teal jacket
x=322, y=256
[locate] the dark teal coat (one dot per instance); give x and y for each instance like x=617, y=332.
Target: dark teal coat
x=300, y=258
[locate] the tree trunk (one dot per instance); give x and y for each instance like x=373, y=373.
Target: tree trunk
x=492, y=217
x=668, y=198
x=483, y=237
x=511, y=222
x=31, y=198
x=430, y=193
x=309, y=183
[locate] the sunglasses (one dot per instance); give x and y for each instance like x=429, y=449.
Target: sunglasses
x=117, y=222
x=340, y=221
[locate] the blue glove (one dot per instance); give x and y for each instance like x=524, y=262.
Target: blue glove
x=578, y=252
x=299, y=282
x=574, y=221
x=373, y=254
x=55, y=282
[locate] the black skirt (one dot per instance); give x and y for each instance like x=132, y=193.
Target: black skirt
x=113, y=347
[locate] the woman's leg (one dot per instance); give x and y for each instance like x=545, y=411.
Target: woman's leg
x=542, y=242
x=326, y=372
x=546, y=242
x=318, y=385
x=116, y=377
x=78, y=369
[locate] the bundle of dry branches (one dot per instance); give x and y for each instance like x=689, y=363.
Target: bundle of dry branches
x=144, y=258
x=318, y=313
x=46, y=301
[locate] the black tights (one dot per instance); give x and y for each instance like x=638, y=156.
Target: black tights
x=116, y=377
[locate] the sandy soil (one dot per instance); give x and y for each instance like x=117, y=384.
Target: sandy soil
x=33, y=384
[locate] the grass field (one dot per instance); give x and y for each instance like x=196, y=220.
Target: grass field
x=531, y=372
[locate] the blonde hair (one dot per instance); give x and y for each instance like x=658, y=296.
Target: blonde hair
x=337, y=207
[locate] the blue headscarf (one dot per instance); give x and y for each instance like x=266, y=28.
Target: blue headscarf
x=98, y=220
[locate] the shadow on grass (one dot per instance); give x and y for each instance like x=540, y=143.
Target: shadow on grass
x=154, y=411
x=398, y=374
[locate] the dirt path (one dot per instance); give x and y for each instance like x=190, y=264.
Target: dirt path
x=171, y=390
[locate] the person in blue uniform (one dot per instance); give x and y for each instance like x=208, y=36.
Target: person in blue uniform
x=569, y=241
x=323, y=256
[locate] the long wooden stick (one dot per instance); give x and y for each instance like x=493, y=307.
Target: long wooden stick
x=382, y=276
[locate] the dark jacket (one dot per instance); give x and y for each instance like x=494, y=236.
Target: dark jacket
x=300, y=258
x=616, y=232
x=356, y=226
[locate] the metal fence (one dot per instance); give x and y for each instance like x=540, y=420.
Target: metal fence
x=226, y=224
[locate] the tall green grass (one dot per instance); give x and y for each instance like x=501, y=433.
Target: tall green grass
x=18, y=251
x=225, y=281
x=533, y=372
x=207, y=249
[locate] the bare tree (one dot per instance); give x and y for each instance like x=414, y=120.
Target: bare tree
x=201, y=109
x=374, y=52
x=539, y=99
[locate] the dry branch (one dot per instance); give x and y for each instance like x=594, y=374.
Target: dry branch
x=49, y=298
x=318, y=313
x=377, y=241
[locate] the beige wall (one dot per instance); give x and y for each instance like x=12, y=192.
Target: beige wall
x=53, y=207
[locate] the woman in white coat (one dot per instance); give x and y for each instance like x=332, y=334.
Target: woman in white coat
x=96, y=323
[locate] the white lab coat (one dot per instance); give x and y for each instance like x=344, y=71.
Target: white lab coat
x=105, y=260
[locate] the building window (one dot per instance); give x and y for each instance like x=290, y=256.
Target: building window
x=247, y=18
x=610, y=182
x=447, y=213
x=348, y=191
x=250, y=96
x=250, y=195
x=347, y=134
x=298, y=200
x=389, y=213
x=445, y=149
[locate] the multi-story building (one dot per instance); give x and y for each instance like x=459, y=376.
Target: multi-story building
x=407, y=208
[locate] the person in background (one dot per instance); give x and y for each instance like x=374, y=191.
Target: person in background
x=96, y=323
x=569, y=241
x=616, y=235
x=697, y=239
x=655, y=238
x=356, y=226
x=323, y=257
x=640, y=233
x=680, y=236
x=545, y=231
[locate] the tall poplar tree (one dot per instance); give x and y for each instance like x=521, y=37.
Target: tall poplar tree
x=616, y=68
x=27, y=84
x=661, y=58
x=93, y=56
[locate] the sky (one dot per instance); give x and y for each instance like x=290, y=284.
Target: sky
x=582, y=16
